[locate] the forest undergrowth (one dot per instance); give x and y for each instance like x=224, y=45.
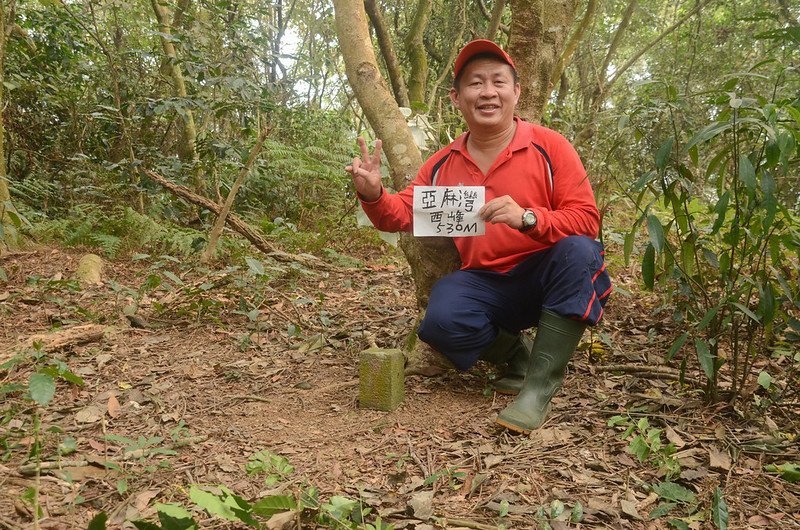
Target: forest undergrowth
x=171, y=395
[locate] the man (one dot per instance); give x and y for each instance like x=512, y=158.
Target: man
x=537, y=264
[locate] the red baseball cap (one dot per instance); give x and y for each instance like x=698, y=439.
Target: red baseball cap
x=480, y=46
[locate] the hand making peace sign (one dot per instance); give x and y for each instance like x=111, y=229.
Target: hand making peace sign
x=366, y=171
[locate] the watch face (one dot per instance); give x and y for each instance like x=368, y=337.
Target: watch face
x=529, y=219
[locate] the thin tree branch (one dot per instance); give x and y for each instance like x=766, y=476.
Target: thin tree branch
x=387, y=52
x=572, y=44
x=622, y=69
x=494, y=20
x=219, y=224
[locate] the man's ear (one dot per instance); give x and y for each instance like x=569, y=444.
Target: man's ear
x=517, y=92
x=454, y=97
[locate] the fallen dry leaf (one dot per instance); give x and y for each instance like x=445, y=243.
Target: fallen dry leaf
x=143, y=499
x=492, y=460
x=113, y=406
x=422, y=505
x=281, y=521
x=674, y=438
x=90, y=414
x=719, y=459
x=629, y=509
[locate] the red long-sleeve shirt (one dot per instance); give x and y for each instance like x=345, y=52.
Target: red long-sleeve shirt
x=539, y=169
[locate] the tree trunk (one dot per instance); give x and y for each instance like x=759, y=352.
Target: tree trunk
x=8, y=237
x=187, y=146
x=572, y=44
x=429, y=258
x=388, y=53
x=447, y=63
x=494, y=21
x=417, y=56
x=538, y=32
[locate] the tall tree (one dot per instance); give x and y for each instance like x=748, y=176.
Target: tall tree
x=187, y=147
x=8, y=29
x=417, y=56
x=388, y=53
x=538, y=32
x=429, y=258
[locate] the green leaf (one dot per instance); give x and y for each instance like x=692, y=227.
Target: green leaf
x=67, y=446
x=643, y=181
x=211, y=503
x=662, y=156
x=71, y=377
x=764, y=380
x=788, y=472
x=661, y=510
x=255, y=266
x=42, y=388
x=705, y=357
x=708, y=317
x=677, y=523
x=766, y=302
x=649, y=267
x=708, y=133
x=747, y=173
x=98, y=522
x=639, y=448
x=747, y=312
x=174, y=517
x=269, y=506
x=694, y=155
x=309, y=498
x=630, y=239
x=577, y=513
x=677, y=345
x=656, y=232
x=556, y=509
x=671, y=491
x=173, y=278
x=719, y=510
x=11, y=388
x=721, y=209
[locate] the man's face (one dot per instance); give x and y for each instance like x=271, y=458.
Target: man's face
x=486, y=95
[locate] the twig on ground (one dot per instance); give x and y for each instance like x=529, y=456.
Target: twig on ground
x=251, y=397
x=656, y=372
x=469, y=524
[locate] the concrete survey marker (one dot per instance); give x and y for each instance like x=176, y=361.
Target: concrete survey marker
x=381, y=380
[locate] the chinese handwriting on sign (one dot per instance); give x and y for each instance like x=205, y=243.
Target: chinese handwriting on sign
x=448, y=211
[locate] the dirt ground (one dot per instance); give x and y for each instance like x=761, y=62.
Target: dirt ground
x=203, y=382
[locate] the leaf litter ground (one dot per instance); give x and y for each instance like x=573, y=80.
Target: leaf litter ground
x=192, y=395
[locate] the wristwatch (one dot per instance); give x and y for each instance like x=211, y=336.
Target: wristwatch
x=528, y=220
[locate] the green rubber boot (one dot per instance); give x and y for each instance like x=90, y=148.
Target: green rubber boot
x=502, y=348
x=555, y=342
x=514, y=373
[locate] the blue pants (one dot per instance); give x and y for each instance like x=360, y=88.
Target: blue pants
x=466, y=307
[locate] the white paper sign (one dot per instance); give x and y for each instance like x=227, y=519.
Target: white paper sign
x=448, y=211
